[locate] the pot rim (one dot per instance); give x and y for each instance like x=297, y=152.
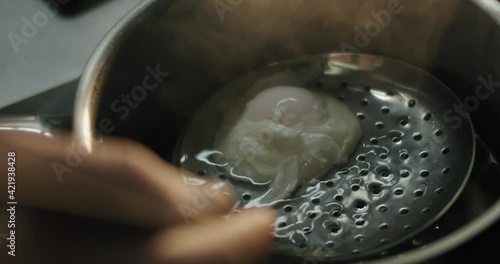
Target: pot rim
x=90, y=83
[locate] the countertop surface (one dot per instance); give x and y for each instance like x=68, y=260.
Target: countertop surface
x=44, y=44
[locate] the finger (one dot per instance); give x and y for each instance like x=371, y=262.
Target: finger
x=120, y=165
x=79, y=194
x=244, y=238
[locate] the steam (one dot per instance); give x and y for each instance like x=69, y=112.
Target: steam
x=259, y=32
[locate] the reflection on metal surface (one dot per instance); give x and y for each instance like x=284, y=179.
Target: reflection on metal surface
x=31, y=124
x=398, y=177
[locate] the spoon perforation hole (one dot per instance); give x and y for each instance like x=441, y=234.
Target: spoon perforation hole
x=425, y=173
x=383, y=208
x=360, y=204
x=379, y=125
x=426, y=210
x=384, y=171
x=311, y=215
x=335, y=229
x=360, y=222
x=246, y=197
x=375, y=188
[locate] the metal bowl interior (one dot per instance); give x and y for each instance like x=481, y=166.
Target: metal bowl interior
x=165, y=58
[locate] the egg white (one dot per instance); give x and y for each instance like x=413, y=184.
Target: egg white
x=286, y=136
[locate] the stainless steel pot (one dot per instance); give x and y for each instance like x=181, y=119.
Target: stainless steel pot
x=166, y=57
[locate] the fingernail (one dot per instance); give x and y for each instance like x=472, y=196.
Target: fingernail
x=213, y=196
x=219, y=195
x=219, y=186
x=191, y=179
x=222, y=194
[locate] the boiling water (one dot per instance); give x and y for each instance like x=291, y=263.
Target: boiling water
x=372, y=203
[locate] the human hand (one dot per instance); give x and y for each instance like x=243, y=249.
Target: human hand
x=122, y=181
